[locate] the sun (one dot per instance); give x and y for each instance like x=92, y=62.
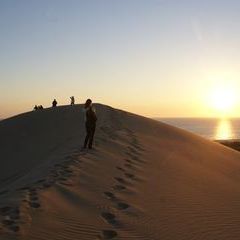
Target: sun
x=223, y=99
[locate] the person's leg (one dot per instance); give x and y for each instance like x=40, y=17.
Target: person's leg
x=91, y=136
x=87, y=136
x=86, y=140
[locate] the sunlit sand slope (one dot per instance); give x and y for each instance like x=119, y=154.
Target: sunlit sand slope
x=144, y=180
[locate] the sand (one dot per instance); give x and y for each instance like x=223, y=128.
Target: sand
x=143, y=180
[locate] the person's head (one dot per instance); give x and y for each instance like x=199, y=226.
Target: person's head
x=88, y=103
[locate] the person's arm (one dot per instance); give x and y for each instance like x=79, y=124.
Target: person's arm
x=94, y=114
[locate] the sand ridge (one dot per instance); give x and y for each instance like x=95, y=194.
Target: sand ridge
x=143, y=180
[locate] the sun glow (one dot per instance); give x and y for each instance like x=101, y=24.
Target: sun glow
x=223, y=99
x=224, y=130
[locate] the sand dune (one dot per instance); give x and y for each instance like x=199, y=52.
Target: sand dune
x=143, y=180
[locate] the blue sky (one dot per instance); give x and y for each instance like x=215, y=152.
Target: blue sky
x=153, y=57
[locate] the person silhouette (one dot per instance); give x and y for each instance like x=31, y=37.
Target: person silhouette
x=90, y=123
x=72, y=100
x=54, y=103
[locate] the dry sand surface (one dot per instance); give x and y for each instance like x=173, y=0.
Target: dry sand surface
x=143, y=180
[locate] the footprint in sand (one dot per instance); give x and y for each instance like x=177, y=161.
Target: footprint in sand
x=108, y=234
x=128, y=165
x=67, y=170
x=130, y=175
x=133, y=150
x=128, y=161
x=119, y=187
x=136, y=159
x=121, y=180
x=120, y=169
x=133, y=157
x=69, y=184
x=62, y=179
x=65, y=166
x=54, y=175
x=110, y=195
x=10, y=224
x=11, y=215
x=109, y=217
x=62, y=172
x=137, y=146
x=33, y=199
x=12, y=212
x=48, y=184
x=129, y=132
x=122, y=206
x=34, y=204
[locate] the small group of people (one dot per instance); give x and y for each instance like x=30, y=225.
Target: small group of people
x=38, y=107
x=90, y=119
x=54, y=103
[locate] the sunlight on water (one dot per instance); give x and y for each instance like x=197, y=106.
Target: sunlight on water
x=224, y=130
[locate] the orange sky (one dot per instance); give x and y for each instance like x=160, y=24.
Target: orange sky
x=154, y=58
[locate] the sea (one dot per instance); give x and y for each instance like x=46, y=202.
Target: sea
x=210, y=128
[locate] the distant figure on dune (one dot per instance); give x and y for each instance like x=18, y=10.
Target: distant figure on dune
x=90, y=123
x=40, y=107
x=54, y=103
x=72, y=100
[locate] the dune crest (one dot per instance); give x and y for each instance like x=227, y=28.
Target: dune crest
x=143, y=180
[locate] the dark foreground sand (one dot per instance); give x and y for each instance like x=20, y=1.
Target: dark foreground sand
x=144, y=180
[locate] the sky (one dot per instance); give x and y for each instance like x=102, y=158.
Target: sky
x=158, y=58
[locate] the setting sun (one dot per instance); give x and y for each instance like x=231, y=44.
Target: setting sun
x=223, y=99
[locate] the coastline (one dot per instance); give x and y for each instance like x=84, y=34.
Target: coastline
x=231, y=143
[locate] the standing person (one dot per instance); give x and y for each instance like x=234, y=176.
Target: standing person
x=54, y=103
x=72, y=100
x=90, y=123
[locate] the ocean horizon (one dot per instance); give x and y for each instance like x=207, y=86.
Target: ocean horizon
x=210, y=128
